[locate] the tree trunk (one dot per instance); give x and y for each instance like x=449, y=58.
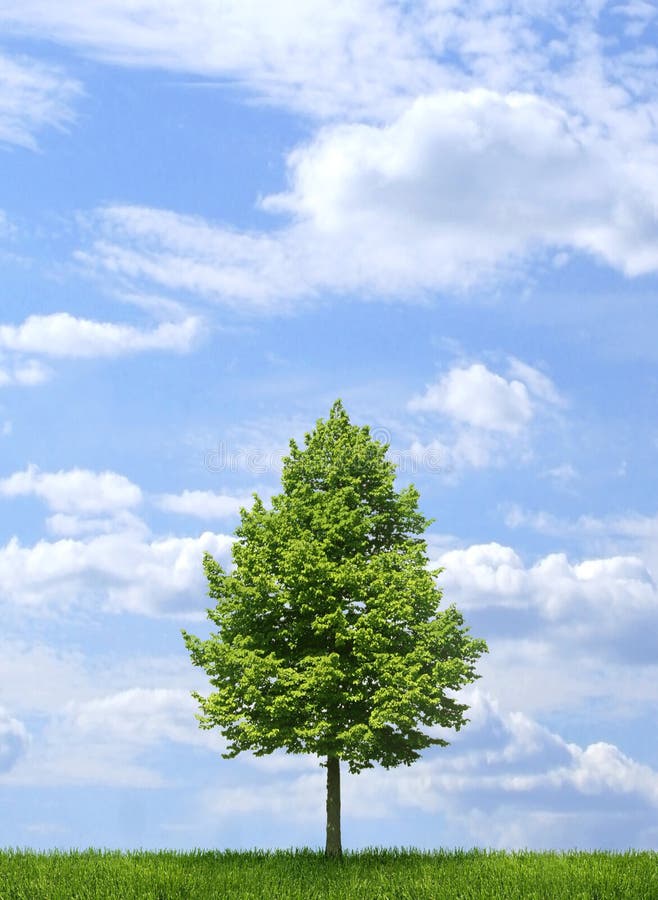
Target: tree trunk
x=334, y=845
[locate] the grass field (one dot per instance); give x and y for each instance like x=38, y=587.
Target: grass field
x=364, y=875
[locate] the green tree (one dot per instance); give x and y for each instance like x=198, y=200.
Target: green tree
x=330, y=638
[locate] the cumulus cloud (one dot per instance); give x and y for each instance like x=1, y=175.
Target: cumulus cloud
x=476, y=174
x=105, y=555
x=116, y=572
x=607, y=604
x=467, y=181
x=478, y=397
x=630, y=533
x=467, y=448
x=504, y=766
x=63, y=760
x=64, y=335
x=33, y=96
x=76, y=491
x=483, y=418
x=203, y=504
x=37, y=678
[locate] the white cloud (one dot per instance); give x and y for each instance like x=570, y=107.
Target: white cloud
x=62, y=760
x=607, y=604
x=73, y=525
x=630, y=533
x=116, y=572
x=484, y=419
x=462, y=188
x=478, y=397
x=536, y=382
x=39, y=679
x=106, y=556
x=33, y=96
x=464, y=182
x=203, y=504
x=370, y=58
x=64, y=335
x=630, y=525
x=299, y=800
x=503, y=765
x=142, y=716
x=563, y=635
x=468, y=448
x=492, y=572
x=98, y=715
x=459, y=189
x=516, y=517
x=435, y=182
x=30, y=372
x=249, y=272
x=76, y=491
x=375, y=55
x=14, y=741
x=26, y=373
x=562, y=475
x=640, y=14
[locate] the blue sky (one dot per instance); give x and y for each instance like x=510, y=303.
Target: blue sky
x=213, y=223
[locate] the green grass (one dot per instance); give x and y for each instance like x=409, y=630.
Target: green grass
x=295, y=874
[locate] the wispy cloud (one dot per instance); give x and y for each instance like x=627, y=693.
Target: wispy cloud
x=631, y=525
x=23, y=372
x=14, y=740
x=372, y=57
x=33, y=96
x=376, y=55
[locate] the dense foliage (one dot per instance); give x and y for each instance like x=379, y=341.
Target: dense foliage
x=330, y=637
